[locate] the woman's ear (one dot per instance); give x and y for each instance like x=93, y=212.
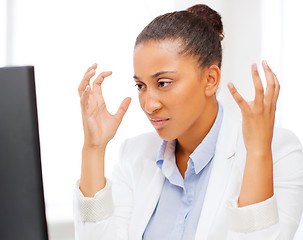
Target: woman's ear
x=213, y=75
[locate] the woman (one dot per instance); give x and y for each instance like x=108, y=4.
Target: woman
x=201, y=176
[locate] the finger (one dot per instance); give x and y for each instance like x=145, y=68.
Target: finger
x=259, y=91
x=86, y=78
x=94, y=66
x=237, y=97
x=85, y=81
x=277, y=90
x=84, y=98
x=122, y=109
x=98, y=81
x=270, y=88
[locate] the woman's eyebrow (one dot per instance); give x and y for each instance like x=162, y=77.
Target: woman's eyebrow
x=155, y=75
x=137, y=78
x=160, y=73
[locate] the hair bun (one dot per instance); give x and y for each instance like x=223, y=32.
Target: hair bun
x=209, y=15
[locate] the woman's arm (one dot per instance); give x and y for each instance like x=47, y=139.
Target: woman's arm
x=99, y=128
x=258, y=123
x=277, y=217
x=92, y=171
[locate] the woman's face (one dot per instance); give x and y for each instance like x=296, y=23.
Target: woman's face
x=171, y=88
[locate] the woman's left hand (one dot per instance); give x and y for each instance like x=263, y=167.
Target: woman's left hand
x=259, y=114
x=257, y=126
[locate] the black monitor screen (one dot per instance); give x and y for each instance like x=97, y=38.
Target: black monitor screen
x=22, y=210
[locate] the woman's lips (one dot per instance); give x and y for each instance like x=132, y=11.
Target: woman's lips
x=158, y=122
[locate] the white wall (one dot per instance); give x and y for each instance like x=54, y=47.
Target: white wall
x=3, y=30
x=291, y=63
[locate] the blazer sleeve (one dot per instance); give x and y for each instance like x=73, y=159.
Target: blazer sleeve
x=279, y=216
x=299, y=232
x=106, y=216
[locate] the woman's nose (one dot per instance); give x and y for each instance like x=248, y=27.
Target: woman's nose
x=152, y=102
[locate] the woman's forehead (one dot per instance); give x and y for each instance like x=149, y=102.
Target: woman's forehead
x=153, y=59
x=156, y=53
x=160, y=56
x=166, y=46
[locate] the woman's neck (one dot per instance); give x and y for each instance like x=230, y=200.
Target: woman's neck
x=189, y=141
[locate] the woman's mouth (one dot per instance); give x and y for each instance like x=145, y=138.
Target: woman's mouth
x=158, y=122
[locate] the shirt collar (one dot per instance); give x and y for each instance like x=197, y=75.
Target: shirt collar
x=167, y=153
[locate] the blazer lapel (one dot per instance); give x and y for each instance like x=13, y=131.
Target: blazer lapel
x=146, y=204
x=220, y=175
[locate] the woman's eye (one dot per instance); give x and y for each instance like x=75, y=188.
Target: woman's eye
x=139, y=86
x=163, y=84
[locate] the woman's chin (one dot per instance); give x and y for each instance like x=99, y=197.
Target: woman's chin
x=165, y=135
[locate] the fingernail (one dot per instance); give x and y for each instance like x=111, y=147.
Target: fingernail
x=91, y=71
x=230, y=85
x=254, y=67
x=265, y=63
x=86, y=89
x=94, y=64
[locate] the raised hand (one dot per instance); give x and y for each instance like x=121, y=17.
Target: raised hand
x=257, y=126
x=99, y=125
x=259, y=114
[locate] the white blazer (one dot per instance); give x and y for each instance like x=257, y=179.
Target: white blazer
x=122, y=209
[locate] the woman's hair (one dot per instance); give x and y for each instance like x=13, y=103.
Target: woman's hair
x=199, y=30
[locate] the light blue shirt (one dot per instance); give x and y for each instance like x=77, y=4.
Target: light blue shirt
x=179, y=207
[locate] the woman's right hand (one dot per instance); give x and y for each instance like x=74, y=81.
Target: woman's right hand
x=99, y=125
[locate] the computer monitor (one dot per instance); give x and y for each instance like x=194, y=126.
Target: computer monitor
x=22, y=208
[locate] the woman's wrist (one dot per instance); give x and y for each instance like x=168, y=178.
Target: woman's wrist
x=259, y=155
x=94, y=148
x=93, y=154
